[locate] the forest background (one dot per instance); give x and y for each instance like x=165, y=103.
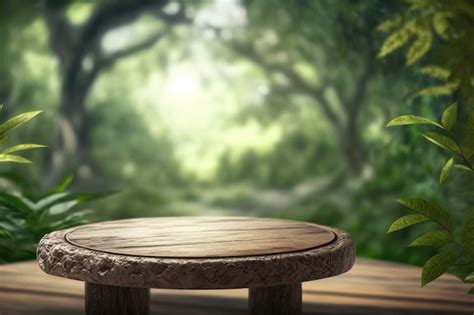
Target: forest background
x=262, y=108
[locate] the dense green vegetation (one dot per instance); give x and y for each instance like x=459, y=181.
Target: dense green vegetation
x=27, y=216
x=453, y=24
x=267, y=108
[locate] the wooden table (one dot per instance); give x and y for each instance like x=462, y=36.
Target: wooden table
x=120, y=260
x=371, y=287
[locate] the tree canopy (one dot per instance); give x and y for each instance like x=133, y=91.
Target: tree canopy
x=266, y=108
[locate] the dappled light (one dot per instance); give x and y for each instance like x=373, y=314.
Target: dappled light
x=275, y=109
x=225, y=112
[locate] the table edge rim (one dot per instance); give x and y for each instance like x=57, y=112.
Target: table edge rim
x=57, y=257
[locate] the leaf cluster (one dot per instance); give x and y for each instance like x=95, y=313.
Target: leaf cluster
x=451, y=24
x=7, y=154
x=458, y=256
x=461, y=151
x=24, y=219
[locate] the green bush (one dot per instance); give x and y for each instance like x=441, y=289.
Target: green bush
x=26, y=217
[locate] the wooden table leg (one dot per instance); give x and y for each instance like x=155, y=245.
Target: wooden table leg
x=276, y=300
x=112, y=300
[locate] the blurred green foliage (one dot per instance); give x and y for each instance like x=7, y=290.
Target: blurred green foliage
x=233, y=113
x=26, y=216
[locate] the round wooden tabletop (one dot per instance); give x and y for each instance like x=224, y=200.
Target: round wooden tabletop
x=196, y=252
x=199, y=237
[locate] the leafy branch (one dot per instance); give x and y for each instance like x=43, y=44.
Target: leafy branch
x=446, y=139
x=452, y=24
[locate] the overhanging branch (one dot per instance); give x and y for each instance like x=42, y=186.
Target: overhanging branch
x=72, y=44
x=296, y=81
x=103, y=62
x=109, y=60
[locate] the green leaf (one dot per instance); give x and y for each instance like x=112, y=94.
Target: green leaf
x=445, y=170
x=13, y=158
x=51, y=200
x=443, y=142
x=17, y=121
x=436, y=72
x=76, y=218
x=397, y=39
x=449, y=116
x=430, y=210
x=22, y=147
x=436, y=266
x=468, y=235
x=63, y=185
x=434, y=238
x=469, y=278
x=6, y=234
x=411, y=120
x=462, y=167
x=441, y=24
x=406, y=221
x=471, y=291
x=438, y=90
x=15, y=203
x=63, y=207
x=389, y=24
x=420, y=46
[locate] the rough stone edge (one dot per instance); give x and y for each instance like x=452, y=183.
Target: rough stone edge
x=58, y=257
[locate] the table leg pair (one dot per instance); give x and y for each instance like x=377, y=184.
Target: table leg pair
x=113, y=300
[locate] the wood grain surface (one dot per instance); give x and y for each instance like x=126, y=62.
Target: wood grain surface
x=188, y=237
x=370, y=288
x=59, y=257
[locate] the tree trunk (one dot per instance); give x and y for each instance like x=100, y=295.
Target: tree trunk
x=72, y=45
x=71, y=149
x=352, y=147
